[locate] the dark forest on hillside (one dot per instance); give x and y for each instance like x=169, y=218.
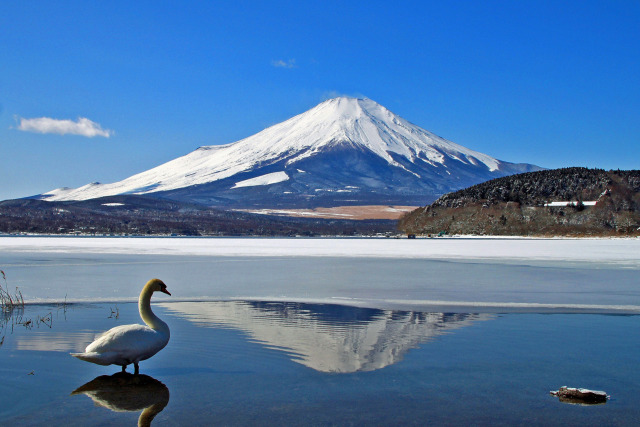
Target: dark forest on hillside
x=515, y=205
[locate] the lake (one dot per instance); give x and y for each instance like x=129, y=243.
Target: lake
x=448, y=333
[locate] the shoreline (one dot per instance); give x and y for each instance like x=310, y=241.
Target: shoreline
x=382, y=236
x=430, y=306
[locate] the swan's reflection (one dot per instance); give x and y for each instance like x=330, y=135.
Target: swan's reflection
x=125, y=392
x=326, y=337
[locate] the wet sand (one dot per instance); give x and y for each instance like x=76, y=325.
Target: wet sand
x=262, y=363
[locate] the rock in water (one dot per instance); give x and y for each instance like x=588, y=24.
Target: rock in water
x=580, y=395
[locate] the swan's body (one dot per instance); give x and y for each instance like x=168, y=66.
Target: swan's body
x=128, y=344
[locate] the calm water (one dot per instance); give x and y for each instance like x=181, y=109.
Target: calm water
x=276, y=363
x=261, y=340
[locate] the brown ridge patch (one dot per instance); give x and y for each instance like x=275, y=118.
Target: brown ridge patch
x=340, y=212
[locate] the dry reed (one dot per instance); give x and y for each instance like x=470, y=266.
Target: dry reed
x=8, y=301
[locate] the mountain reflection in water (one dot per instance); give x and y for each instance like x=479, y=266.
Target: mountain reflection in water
x=125, y=392
x=326, y=337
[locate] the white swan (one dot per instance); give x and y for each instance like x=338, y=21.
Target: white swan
x=128, y=344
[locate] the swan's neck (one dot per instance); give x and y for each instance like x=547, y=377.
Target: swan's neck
x=144, y=306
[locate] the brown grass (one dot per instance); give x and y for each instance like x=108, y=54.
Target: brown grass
x=8, y=301
x=391, y=212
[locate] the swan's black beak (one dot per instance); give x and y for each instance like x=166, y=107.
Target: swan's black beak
x=164, y=290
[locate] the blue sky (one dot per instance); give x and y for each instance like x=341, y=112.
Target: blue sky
x=554, y=83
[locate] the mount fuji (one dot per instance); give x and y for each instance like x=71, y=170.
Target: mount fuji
x=344, y=151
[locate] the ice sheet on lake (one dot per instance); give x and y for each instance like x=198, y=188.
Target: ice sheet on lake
x=461, y=275
x=616, y=251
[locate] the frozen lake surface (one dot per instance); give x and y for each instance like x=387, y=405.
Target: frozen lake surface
x=617, y=251
x=589, y=275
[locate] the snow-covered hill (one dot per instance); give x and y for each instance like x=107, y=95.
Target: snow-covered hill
x=343, y=151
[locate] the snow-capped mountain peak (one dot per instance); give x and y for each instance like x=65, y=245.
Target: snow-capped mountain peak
x=346, y=132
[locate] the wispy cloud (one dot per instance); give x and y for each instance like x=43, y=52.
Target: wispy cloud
x=291, y=63
x=335, y=94
x=82, y=126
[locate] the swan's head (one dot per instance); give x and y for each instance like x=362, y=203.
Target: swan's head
x=157, y=285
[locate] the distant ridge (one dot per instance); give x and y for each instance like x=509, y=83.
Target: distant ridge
x=343, y=151
x=568, y=201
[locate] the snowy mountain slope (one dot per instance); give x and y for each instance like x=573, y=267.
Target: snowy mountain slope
x=345, y=150
x=268, y=179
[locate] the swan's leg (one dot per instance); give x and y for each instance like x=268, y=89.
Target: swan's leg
x=124, y=368
x=137, y=370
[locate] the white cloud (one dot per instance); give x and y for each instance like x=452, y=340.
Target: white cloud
x=284, y=64
x=82, y=126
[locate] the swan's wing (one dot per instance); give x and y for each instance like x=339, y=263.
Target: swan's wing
x=116, y=330
x=98, y=358
x=104, y=341
x=131, y=342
